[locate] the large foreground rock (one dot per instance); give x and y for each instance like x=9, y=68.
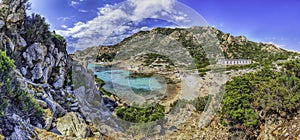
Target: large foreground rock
x=71, y=124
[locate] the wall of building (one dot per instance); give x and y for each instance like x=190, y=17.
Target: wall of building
x=234, y=62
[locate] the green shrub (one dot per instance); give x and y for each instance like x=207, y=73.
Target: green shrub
x=253, y=98
x=140, y=115
x=22, y=99
x=201, y=102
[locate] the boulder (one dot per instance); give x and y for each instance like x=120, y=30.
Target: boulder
x=56, y=109
x=37, y=72
x=20, y=41
x=44, y=77
x=21, y=129
x=10, y=45
x=35, y=53
x=73, y=124
x=59, y=83
x=1, y=24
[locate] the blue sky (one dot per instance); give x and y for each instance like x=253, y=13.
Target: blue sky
x=85, y=20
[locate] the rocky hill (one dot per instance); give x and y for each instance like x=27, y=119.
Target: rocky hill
x=204, y=44
x=251, y=92
x=44, y=94
x=36, y=92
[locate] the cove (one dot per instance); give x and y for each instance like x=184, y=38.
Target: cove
x=132, y=89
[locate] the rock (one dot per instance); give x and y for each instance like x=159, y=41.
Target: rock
x=54, y=130
x=34, y=53
x=37, y=72
x=157, y=129
x=173, y=128
x=44, y=78
x=44, y=96
x=59, y=83
x=14, y=17
x=39, y=95
x=74, y=109
x=22, y=130
x=1, y=24
x=74, y=104
x=73, y=124
x=56, y=109
x=11, y=45
x=23, y=71
x=21, y=41
x=48, y=119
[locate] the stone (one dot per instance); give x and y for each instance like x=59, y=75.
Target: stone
x=74, y=108
x=11, y=45
x=157, y=129
x=55, y=108
x=44, y=77
x=23, y=71
x=48, y=119
x=59, y=83
x=37, y=72
x=71, y=124
x=35, y=53
x=173, y=128
x=39, y=95
x=74, y=105
x=22, y=130
x=1, y=24
x=21, y=41
x=13, y=18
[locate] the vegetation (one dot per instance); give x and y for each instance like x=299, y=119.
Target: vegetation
x=99, y=81
x=254, y=98
x=140, y=115
x=106, y=57
x=152, y=57
x=16, y=96
x=199, y=103
x=36, y=29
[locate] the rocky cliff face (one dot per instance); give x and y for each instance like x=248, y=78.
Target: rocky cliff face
x=43, y=74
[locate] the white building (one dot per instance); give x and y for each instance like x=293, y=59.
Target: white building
x=234, y=62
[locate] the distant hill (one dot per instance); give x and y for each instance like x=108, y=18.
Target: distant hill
x=204, y=44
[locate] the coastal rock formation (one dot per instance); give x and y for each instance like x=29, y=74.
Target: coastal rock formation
x=38, y=101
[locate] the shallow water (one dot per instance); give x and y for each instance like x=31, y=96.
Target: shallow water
x=136, y=90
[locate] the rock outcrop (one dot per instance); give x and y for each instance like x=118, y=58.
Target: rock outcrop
x=43, y=75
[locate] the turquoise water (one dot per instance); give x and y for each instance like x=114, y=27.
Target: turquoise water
x=118, y=82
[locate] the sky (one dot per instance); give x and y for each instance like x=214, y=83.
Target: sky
x=87, y=23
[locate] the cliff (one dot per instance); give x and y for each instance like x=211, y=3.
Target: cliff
x=37, y=98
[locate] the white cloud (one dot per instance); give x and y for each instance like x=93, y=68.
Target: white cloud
x=79, y=26
x=64, y=26
x=82, y=11
x=74, y=3
x=64, y=18
x=144, y=9
x=109, y=26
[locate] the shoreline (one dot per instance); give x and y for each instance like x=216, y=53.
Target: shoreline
x=171, y=94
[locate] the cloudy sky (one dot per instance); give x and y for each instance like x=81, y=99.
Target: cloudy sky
x=88, y=23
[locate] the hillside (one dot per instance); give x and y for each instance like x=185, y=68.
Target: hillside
x=46, y=94
x=204, y=44
x=37, y=99
x=231, y=102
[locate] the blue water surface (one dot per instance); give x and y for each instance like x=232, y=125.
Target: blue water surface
x=118, y=81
